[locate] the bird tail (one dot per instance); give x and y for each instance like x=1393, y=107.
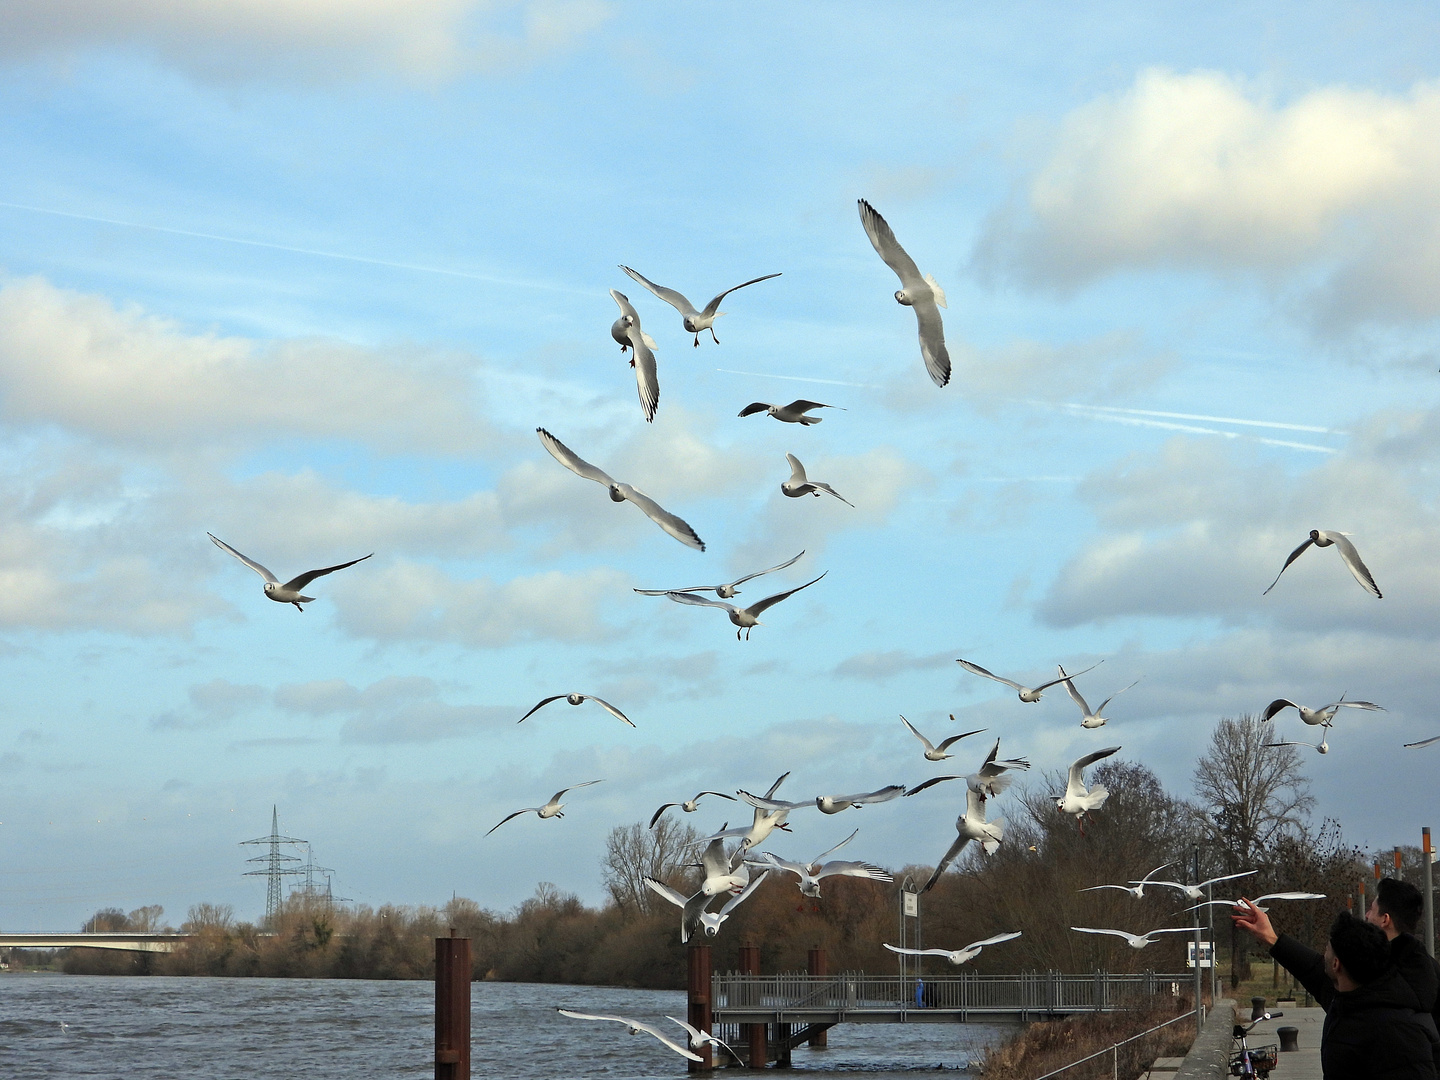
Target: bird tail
x=997, y=831
x=935, y=288
x=649, y=342
x=1096, y=799
x=809, y=420
x=994, y=785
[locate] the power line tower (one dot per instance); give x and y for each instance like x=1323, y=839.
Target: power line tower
x=312, y=890
x=276, y=863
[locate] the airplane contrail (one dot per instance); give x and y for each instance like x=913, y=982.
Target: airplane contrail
x=1208, y=419
x=1140, y=421
x=418, y=267
x=798, y=378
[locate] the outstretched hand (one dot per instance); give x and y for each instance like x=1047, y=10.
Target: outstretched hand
x=1249, y=917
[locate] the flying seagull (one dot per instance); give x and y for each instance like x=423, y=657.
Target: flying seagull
x=1423, y=742
x=827, y=804
x=700, y=1038
x=1139, y=941
x=576, y=699
x=723, y=873
x=1078, y=799
x=971, y=825
x=794, y=413
x=1323, y=716
x=1323, y=746
x=1028, y=694
x=634, y=1027
x=694, y=321
x=1267, y=896
x=689, y=806
x=550, y=809
x=626, y=330
x=693, y=913
x=799, y=485
x=725, y=592
x=288, y=593
x=620, y=492
x=989, y=780
x=923, y=294
x=745, y=619
x=959, y=956
x=766, y=821
x=1197, y=892
x=1088, y=719
x=1347, y=550
x=1137, y=889
x=937, y=753
x=811, y=873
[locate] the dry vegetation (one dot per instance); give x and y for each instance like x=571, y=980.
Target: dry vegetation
x=1045, y=1047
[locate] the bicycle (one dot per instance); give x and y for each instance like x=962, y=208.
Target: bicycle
x=1256, y=1063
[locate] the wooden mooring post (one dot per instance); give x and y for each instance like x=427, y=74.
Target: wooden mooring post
x=698, y=1007
x=753, y=1035
x=817, y=966
x=452, y=1007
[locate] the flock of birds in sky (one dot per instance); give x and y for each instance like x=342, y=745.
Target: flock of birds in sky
x=736, y=872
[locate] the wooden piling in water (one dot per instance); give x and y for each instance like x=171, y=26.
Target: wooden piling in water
x=698, y=1004
x=753, y=1035
x=452, y=1008
x=817, y=966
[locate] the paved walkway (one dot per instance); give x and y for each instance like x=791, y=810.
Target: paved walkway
x=1209, y=1058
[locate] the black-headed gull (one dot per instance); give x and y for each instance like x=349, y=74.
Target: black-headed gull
x=551, y=809
x=971, y=825
x=1138, y=941
x=692, y=908
x=626, y=330
x=1089, y=718
x=958, y=956
x=576, y=699
x=799, y=485
x=989, y=780
x=937, y=753
x=1197, y=892
x=1078, y=799
x=689, y=806
x=1028, y=694
x=620, y=492
x=634, y=1027
x=766, y=822
x=1323, y=716
x=694, y=321
x=727, y=591
x=923, y=294
x=1136, y=889
x=1256, y=901
x=700, y=1038
x=289, y=592
x=811, y=873
x=745, y=619
x=1320, y=539
x=794, y=413
x=1323, y=746
x=827, y=804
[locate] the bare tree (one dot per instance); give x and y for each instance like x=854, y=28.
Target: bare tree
x=633, y=853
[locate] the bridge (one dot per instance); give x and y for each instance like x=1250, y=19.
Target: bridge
x=128, y=942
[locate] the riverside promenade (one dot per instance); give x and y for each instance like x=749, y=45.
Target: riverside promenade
x=1209, y=1058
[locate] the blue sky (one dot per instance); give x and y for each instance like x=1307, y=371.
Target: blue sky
x=309, y=275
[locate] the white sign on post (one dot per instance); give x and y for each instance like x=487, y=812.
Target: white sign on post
x=1206, y=959
x=912, y=904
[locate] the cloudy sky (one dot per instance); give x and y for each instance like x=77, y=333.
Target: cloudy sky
x=308, y=275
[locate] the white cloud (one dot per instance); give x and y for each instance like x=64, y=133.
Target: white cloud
x=1202, y=170
x=308, y=40
x=390, y=710
x=212, y=704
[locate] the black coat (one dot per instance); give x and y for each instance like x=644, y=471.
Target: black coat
x=1377, y=1032
x=1422, y=972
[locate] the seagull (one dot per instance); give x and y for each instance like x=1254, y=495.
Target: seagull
x=288, y=593
x=1267, y=896
x=812, y=872
x=1079, y=800
x=1139, y=941
x=798, y=485
x=990, y=780
x=827, y=804
x=1028, y=694
x=576, y=699
x=1423, y=742
x=689, y=806
x=620, y=492
x=1323, y=746
x=971, y=825
x=959, y=956
x=626, y=330
x=1088, y=719
x=1137, y=889
x=694, y=321
x=745, y=619
x=700, y=1038
x=794, y=413
x=765, y=823
x=723, y=873
x=550, y=809
x=634, y=1027
x=1324, y=716
x=64, y=1028
x=693, y=911
x=725, y=592
x=937, y=753
x=1197, y=892
x=1341, y=540
x=921, y=293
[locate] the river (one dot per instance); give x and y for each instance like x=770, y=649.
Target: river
x=157, y=1028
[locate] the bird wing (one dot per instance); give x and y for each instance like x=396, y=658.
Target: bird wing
x=830, y=490
x=771, y=859
x=223, y=546
x=932, y=340
x=666, y=520
x=753, y=408
x=953, y=739
x=744, y=894
x=771, y=570
x=887, y=247
x=885, y=794
x=917, y=952
x=1077, y=769
x=994, y=940
x=1289, y=896
x=666, y=592
x=661, y=811
x=517, y=813
x=699, y=601
x=573, y=787
x=1293, y=556
x=837, y=847
x=1275, y=707
x=976, y=669
x=930, y=783
x=611, y=709
x=1092, y=888
x=974, y=804
x=1423, y=742
x=1115, y=933
x=637, y=1026
x=675, y=897
x=853, y=869
x=801, y=405
x=1227, y=877
x=571, y=460
x=714, y=860
x=1155, y=871
x=1368, y=705
x=1174, y=930
x=717, y=794
x=772, y=804
x=647, y=378
x=955, y=849
x=1075, y=694
x=770, y=601
x=1353, y=561
x=776, y=785
x=670, y=296
x=928, y=744
x=1116, y=694
x=714, y=305
x=1070, y=675
x=797, y=471
x=542, y=704
x=299, y=582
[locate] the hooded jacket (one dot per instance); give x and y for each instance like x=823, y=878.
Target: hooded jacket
x=1422, y=972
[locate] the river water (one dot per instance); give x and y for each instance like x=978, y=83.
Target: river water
x=156, y=1028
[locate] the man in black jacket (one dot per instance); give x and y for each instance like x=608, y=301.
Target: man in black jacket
x=1374, y=1026
x=1396, y=910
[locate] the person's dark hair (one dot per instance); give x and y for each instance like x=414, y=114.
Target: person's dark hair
x=1402, y=902
x=1362, y=948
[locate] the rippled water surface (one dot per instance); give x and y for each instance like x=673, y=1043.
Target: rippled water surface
x=140, y=1028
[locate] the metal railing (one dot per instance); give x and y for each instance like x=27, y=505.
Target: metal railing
x=1114, y=1051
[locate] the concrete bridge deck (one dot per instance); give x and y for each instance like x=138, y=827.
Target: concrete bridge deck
x=128, y=942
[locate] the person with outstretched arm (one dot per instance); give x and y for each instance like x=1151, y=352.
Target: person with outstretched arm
x=1396, y=910
x=1375, y=1028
